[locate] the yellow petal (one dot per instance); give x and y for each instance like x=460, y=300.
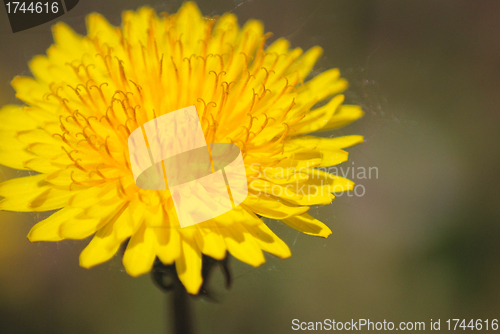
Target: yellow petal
x=167, y=239
x=268, y=241
x=190, y=20
x=318, y=177
x=284, y=64
x=12, y=152
x=41, y=165
x=317, y=118
x=280, y=46
x=305, y=63
x=98, y=26
x=317, y=143
x=67, y=39
x=211, y=242
x=168, y=244
x=44, y=113
x=13, y=117
x=91, y=196
x=23, y=186
x=298, y=194
x=332, y=157
x=252, y=31
x=49, y=228
x=238, y=214
x=321, y=158
x=344, y=116
x=38, y=136
x=48, y=151
x=140, y=255
x=308, y=225
x=136, y=24
x=15, y=158
x=29, y=90
x=272, y=208
x=188, y=266
x=342, y=184
x=50, y=199
x=101, y=248
x=322, y=86
x=41, y=67
x=282, y=175
x=82, y=226
x=107, y=240
x=242, y=245
x=32, y=193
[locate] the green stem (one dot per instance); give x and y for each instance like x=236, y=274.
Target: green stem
x=182, y=315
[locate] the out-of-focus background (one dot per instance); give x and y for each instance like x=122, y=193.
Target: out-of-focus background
x=420, y=244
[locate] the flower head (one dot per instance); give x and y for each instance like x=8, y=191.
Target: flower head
x=90, y=92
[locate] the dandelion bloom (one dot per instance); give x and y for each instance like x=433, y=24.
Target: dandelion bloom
x=90, y=92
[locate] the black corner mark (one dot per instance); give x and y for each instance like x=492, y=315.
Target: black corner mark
x=31, y=13
x=70, y=4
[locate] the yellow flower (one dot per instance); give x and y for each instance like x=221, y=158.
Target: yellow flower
x=90, y=92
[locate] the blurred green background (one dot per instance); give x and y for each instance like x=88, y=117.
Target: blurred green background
x=421, y=244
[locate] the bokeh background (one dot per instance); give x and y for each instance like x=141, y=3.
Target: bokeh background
x=422, y=243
